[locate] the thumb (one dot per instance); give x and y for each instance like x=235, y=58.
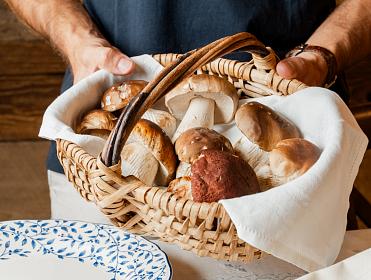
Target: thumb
x=308, y=67
x=114, y=61
x=292, y=67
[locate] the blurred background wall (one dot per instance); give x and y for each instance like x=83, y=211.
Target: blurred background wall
x=30, y=77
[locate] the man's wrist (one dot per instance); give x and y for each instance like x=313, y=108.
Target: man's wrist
x=73, y=43
x=71, y=33
x=80, y=49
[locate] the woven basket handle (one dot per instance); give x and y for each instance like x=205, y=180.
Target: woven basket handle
x=179, y=69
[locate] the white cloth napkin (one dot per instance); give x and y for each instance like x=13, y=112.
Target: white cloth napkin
x=357, y=267
x=303, y=221
x=62, y=115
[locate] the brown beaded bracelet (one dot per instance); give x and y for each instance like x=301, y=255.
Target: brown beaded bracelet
x=326, y=54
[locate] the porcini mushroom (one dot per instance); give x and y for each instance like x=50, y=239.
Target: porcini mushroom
x=291, y=158
x=263, y=128
x=201, y=101
x=98, y=123
x=220, y=175
x=119, y=95
x=136, y=160
x=191, y=142
x=154, y=140
x=163, y=119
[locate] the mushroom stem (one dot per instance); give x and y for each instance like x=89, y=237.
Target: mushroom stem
x=200, y=113
x=136, y=160
x=184, y=169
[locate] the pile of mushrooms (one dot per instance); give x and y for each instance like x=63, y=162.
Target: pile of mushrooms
x=209, y=170
x=273, y=145
x=191, y=158
x=149, y=153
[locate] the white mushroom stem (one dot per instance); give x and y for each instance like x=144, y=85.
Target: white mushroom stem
x=258, y=159
x=136, y=160
x=251, y=153
x=184, y=169
x=200, y=113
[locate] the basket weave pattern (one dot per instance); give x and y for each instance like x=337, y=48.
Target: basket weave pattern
x=204, y=228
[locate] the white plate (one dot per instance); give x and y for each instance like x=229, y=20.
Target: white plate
x=57, y=249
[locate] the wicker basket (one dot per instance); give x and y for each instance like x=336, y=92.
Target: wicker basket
x=204, y=228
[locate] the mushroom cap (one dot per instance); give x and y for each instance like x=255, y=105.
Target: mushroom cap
x=181, y=187
x=119, y=95
x=96, y=120
x=213, y=87
x=263, y=126
x=152, y=137
x=163, y=119
x=220, y=175
x=293, y=157
x=191, y=142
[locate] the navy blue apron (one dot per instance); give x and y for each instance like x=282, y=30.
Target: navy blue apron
x=164, y=26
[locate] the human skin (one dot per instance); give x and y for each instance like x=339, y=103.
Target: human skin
x=346, y=33
x=69, y=28
x=67, y=25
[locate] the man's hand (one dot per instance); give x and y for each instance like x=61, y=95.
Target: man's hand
x=308, y=67
x=97, y=55
x=72, y=32
x=346, y=33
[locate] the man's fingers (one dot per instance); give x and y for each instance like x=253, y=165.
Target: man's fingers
x=112, y=60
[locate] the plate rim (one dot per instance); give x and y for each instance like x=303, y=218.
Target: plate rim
x=106, y=225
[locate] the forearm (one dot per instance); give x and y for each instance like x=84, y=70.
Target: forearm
x=68, y=27
x=346, y=32
x=64, y=22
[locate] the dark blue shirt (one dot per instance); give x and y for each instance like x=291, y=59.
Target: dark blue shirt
x=164, y=26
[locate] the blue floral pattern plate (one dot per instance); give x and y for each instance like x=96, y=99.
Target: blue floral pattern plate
x=68, y=246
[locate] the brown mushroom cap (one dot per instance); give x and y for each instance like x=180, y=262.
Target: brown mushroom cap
x=263, y=126
x=163, y=119
x=119, y=95
x=159, y=144
x=96, y=120
x=191, y=142
x=212, y=87
x=220, y=175
x=293, y=157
